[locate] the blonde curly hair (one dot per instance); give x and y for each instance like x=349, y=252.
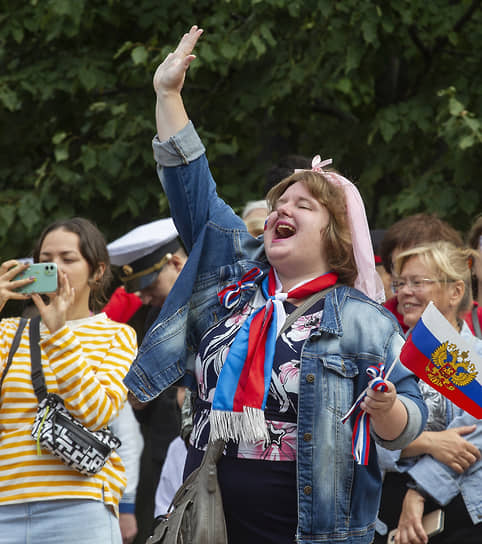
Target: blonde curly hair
x=450, y=263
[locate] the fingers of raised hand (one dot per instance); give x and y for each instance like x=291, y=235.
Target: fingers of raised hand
x=188, y=41
x=171, y=72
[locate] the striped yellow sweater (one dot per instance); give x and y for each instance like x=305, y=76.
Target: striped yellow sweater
x=85, y=363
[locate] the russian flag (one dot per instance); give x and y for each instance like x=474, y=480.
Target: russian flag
x=447, y=361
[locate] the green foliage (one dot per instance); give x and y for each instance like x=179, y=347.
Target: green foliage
x=390, y=90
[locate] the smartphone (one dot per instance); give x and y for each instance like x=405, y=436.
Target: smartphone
x=433, y=523
x=45, y=275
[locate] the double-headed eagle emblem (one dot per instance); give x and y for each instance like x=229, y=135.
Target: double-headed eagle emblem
x=450, y=368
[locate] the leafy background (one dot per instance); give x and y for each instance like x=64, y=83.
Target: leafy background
x=390, y=90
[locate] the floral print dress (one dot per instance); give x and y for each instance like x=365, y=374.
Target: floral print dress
x=257, y=480
x=282, y=403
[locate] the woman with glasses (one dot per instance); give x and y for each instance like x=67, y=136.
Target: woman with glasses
x=442, y=467
x=412, y=231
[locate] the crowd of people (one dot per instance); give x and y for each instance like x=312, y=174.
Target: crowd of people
x=272, y=326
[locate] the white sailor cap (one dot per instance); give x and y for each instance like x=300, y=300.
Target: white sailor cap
x=142, y=252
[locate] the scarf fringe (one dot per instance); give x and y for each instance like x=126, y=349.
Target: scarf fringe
x=248, y=425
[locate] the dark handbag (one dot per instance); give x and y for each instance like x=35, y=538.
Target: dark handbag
x=57, y=431
x=196, y=512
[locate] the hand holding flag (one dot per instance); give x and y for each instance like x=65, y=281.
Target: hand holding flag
x=360, y=442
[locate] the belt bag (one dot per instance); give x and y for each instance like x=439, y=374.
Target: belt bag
x=196, y=512
x=57, y=431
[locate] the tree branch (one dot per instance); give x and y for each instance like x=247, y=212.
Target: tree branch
x=428, y=53
x=329, y=109
x=465, y=18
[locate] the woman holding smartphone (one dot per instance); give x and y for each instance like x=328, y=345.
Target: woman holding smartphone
x=84, y=358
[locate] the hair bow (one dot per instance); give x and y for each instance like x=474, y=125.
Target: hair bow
x=317, y=164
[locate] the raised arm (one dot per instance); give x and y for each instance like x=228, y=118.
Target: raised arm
x=168, y=81
x=180, y=155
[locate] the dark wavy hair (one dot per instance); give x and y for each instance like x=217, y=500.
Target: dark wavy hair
x=415, y=230
x=337, y=238
x=92, y=247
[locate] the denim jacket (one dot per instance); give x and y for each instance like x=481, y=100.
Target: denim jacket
x=436, y=479
x=337, y=499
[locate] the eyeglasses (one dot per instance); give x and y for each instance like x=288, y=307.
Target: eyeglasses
x=415, y=284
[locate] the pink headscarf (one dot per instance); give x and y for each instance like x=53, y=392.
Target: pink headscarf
x=368, y=281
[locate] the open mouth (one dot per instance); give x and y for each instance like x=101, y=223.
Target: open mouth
x=283, y=230
x=408, y=306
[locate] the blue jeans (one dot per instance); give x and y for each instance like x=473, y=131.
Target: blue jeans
x=59, y=522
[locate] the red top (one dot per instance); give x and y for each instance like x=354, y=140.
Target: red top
x=122, y=305
x=391, y=305
x=468, y=317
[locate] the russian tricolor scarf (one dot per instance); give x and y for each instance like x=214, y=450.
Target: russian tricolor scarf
x=243, y=384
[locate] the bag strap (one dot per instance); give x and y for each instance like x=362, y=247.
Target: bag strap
x=14, y=347
x=301, y=309
x=38, y=379
x=213, y=452
x=476, y=322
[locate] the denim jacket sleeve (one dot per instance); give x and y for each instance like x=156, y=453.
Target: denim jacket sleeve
x=409, y=395
x=217, y=242
x=192, y=195
x=182, y=148
x=443, y=483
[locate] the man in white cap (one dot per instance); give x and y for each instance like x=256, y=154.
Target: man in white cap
x=150, y=258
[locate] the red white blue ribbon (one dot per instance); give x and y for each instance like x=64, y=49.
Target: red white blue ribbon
x=360, y=441
x=229, y=296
